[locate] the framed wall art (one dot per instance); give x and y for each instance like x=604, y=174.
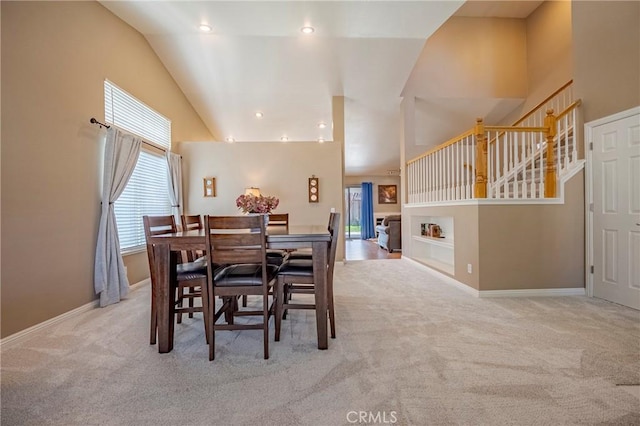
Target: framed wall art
x=387, y=194
x=209, y=186
x=314, y=189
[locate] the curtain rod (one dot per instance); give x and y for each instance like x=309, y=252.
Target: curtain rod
x=94, y=121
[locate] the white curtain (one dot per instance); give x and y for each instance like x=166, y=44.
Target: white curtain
x=174, y=168
x=120, y=157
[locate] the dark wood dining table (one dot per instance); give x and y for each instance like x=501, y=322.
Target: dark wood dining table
x=167, y=246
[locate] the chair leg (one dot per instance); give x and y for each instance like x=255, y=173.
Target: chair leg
x=228, y=312
x=154, y=319
x=180, y=299
x=265, y=324
x=191, y=290
x=211, y=337
x=279, y=306
x=244, y=301
x=212, y=342
x=285, y=299
x=204, y=298
x=332, y=315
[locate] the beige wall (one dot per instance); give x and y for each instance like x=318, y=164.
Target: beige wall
x=55, y=57
x=534, y=246
x=473, y=58
x=378, y=209
x=549, y=55
x=279, y=169
x=606, y=54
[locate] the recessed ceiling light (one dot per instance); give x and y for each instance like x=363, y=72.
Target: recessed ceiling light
x=307, y=30
x=205, y=28
x=259, y=114
x=321, y=140
x=284, y=139
x=230, y=139
x=322, y=125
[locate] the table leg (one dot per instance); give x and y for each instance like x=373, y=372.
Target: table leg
x=164, y=305
x=320, y=284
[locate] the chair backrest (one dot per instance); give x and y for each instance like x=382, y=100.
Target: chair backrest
x=279, y=219
x=236, y=239
x=156, y=225
x=192, y=222
x=334, y=227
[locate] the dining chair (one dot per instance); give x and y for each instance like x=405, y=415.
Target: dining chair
x=189, y=223
x=306, y=253
x=296, y=276
x=241, y=243
x=278, y=221
x=275, y=257
x=191, y=277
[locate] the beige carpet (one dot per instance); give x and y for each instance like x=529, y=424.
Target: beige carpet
x=410, y=349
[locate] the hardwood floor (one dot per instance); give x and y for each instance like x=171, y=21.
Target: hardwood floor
x=365, y=250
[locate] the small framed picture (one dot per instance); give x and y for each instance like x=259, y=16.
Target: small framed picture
x=314, y=189
x=209, y=186
x=387, y=194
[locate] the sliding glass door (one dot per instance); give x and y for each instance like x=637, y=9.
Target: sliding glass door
x=353, y=201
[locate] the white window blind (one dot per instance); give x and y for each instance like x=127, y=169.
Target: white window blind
x=128, y=113
x=147, y=190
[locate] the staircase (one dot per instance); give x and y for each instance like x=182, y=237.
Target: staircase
x=527, y=160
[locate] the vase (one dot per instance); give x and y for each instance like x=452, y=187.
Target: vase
x=266, y=217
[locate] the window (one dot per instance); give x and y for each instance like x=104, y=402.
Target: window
x=147, y=190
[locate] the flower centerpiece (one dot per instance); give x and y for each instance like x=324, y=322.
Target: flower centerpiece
x=250, y=203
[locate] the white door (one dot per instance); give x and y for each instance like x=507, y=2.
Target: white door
x=616, y=210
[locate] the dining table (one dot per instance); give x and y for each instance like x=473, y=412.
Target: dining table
x=167, y=246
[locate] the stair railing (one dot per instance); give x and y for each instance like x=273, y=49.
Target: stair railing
x=510, y=162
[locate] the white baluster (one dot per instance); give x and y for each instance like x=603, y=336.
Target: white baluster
x=574, y=135
x=450, y=172
x=470, y=167
x=459, y=169
x=567, y=157
x=493, y=175
x=542, y=166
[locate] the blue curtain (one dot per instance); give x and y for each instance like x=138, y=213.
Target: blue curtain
x=367, y=227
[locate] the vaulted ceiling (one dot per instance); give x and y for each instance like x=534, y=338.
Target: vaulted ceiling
x=256, y=59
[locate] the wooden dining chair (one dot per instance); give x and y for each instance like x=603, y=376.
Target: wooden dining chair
x=306, y=253
x=191, y=277
x=241, y=243
x=278, y=221
x=275, y=257
x=189, y=223
x=296, y=276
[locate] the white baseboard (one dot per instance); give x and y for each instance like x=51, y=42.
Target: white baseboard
x=534, y=292
x=446, y=278
x=25, y=334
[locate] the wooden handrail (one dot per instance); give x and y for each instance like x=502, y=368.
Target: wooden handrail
x=516, y=129
x=443, y=145
x=571, y=107
x=513, y=127
x=537, y=107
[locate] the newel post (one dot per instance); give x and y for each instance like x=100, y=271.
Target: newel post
x=480, y=190
x=550, y=183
